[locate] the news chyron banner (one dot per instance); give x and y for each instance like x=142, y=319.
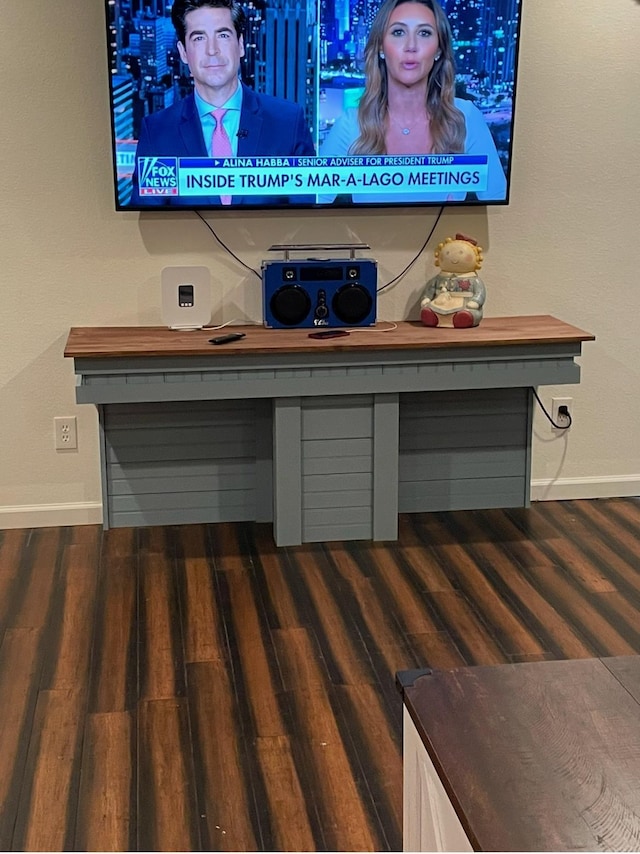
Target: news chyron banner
x=246, y=176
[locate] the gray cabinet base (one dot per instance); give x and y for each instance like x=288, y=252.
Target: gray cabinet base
x=320, y=468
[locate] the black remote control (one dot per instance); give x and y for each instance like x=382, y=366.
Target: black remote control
x=226, y=339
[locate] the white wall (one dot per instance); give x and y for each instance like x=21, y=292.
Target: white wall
x=565, y=246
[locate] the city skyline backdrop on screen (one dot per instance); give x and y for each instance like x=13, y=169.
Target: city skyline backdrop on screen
x=305, y=51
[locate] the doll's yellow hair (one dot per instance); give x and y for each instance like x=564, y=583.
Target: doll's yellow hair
x=477, y=249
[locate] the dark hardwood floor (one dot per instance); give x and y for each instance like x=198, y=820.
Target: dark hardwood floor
x=197, y=688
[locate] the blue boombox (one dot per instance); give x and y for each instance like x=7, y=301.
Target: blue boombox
x=319, y=293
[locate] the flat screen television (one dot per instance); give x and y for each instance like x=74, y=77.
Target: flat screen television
x=325, y=113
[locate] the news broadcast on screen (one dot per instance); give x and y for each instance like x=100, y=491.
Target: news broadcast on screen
x=343, y=103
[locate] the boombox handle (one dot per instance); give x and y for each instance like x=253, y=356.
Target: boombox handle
x=312, y=247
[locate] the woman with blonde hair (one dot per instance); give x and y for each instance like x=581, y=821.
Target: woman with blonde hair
x=409, y=104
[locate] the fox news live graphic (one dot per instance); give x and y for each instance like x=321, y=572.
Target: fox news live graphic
x=246, y=176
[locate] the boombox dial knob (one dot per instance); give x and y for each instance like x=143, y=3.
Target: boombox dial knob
x=321, y=306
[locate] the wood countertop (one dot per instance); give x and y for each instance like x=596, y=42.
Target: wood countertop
x=144, y=341
x=537, y=756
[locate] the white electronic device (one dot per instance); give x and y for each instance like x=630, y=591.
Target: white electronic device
x=186, y=297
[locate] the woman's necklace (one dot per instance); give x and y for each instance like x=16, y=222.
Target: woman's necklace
x=405, y=129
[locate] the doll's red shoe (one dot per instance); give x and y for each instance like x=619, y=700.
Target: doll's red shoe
x=429, y=317
x=462, y=319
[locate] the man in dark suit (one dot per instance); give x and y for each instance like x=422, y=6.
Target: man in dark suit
x=211, y=43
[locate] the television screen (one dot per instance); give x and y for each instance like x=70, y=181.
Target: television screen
x=311, y=103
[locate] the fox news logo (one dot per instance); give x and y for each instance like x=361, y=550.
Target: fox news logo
x=158, y=176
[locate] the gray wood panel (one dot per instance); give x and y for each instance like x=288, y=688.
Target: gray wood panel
x=337, y=498
x=337, y=530
x=337, y=418
x=202, y=468
x=174, y=463
x=248, y=377
x=445, y=404
x=442, y=495
x=287, y=471
x=465, y=463
x=183, y=516
x=346, y=497
x=213, y=499
x=341, y=463
x=385, y=466
x=337, y=483
x=163, y=445
x=197, y=483
x=464, y=451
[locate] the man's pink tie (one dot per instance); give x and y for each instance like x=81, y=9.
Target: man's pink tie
x=221, y=144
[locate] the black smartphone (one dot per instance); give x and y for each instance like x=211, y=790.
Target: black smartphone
x=226, y=339
x=329, y=333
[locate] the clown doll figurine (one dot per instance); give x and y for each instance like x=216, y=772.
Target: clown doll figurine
x=455, y=296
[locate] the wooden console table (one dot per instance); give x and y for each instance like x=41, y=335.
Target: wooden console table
x=539, y=756
x=328, y=439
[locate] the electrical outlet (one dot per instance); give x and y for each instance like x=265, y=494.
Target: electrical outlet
x=561, y=420
x=65, y=432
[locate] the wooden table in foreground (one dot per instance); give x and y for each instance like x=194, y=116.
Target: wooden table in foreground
x=540, y=756
x=328, y=439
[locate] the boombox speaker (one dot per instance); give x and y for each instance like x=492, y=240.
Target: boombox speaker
x=186, y=297
x=319, y=293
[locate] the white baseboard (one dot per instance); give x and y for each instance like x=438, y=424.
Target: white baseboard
x=50, y=515
x=561, y=489
x=574, y=488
